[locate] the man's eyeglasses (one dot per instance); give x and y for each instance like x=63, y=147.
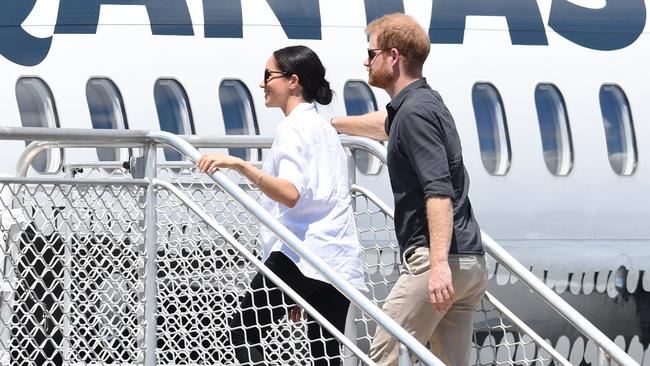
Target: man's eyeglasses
x=372, y=54
x=268, y=73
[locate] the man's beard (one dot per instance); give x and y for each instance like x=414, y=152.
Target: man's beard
x=380, y=78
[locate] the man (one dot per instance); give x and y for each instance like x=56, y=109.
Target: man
x=444, y=274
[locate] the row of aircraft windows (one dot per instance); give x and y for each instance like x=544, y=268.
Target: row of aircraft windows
x=554, y=128
x=37, y=109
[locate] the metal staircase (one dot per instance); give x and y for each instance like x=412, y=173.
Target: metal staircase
x=144, y=264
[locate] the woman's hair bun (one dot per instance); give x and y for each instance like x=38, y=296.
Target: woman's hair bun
x=324, y=93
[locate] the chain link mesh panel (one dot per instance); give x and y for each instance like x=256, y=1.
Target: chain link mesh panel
x=72, y=265
x=497, y=341
x=202, y=280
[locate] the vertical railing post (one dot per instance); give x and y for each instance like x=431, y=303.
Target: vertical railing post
x=67, y=235
x=350, y=320
x=352, y=168
x=603, y=358
x=10, y=273
x=404, y=357
x=6, y=295
x=150, y=286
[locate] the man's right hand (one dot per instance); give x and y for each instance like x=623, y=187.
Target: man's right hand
x=440, y=288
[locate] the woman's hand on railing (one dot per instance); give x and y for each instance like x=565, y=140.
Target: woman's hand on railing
x=280, y=190
x=211, y=162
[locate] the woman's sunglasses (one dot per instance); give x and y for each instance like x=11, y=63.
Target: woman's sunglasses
x=268, y=73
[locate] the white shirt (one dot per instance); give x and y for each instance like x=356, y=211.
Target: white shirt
x=307, y=152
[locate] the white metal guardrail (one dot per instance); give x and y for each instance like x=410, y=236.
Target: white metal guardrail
x=516, y=351
x=148, y=141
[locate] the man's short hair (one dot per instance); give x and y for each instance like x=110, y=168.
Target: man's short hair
x=402, y=32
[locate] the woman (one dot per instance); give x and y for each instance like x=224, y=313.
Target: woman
x=305, y=185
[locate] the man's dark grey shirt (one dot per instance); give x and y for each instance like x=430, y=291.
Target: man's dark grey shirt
x=425, y=160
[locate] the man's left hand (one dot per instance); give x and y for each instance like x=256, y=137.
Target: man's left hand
x=441, y=291
x=296, y=314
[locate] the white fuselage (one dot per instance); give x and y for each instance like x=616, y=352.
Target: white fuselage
x=526, y=205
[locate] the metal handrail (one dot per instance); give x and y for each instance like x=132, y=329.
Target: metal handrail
x=556, y=302
x=374, y=199
x=243, y=141
x=128, y=138
x=261, y=142
x=85, y=182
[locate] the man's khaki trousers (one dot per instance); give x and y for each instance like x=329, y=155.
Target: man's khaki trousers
x=450, y=333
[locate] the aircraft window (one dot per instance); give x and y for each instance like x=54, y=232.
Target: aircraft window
x=554, y=128
x=37, y=109
x=238, y=115
x=619, y=130
x=106, y=113
x=492, y=128
x=359, y=100
x=174, y=112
